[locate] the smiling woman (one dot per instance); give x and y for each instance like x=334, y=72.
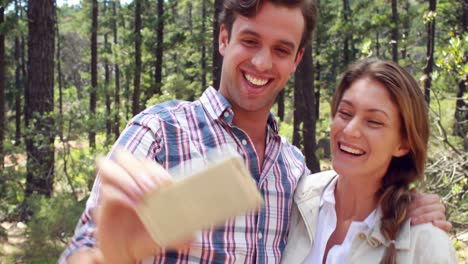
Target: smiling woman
x=379, y=136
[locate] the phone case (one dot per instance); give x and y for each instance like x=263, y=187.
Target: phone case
x=222, y=190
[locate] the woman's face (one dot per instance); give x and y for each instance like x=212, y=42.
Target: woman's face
x=365, y=131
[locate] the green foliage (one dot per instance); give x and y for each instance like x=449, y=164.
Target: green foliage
x=52, y=223
x=369, y=26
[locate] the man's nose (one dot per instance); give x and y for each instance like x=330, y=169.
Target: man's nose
x=262, y=60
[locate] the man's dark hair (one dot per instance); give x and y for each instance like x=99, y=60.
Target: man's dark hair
x=249, y=8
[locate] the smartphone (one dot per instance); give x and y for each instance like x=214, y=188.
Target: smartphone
x=221, y=190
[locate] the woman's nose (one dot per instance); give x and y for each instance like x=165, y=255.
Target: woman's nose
x=352, y=128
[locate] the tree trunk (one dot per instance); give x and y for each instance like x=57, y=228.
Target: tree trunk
x=127, y=95
x=406, y=29
x=461, y=110
x=59, y=78
x=203, y=46
x=190, y=17
x=318, y=68
x=304, y=81
x=430, y=52
x=395, y=37
x=117, y=74
x=94, y=84
x=298, y=109
x=159, y=48
x=2, y=85
x=19, y=83
x=40, y=98
x=280, y=103
x=217, y=58
x=136, y=77
x=107, y=51
x=377, y=44
x=347, y=34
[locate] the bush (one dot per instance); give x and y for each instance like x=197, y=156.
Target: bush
x=51, y=225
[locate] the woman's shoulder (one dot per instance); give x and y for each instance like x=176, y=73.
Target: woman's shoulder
x=431, y=245
x=314, y=183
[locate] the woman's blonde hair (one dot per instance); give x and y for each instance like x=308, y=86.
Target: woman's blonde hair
x=394, y=195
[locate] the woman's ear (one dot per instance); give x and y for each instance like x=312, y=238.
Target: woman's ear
x=401, y=150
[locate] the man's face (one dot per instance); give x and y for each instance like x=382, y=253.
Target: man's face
x=259, y=57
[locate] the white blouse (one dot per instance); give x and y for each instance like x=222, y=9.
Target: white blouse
x=326, y=225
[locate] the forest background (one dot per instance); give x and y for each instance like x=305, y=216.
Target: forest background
x=72, y=76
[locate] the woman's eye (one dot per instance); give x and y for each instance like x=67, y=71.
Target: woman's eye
x=344, y=114
x=375, y=123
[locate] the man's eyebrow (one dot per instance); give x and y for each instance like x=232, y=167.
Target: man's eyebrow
x=283, y=42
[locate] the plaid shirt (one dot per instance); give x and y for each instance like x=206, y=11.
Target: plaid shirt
x=179, y=135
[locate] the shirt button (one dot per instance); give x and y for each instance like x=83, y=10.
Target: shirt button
x=260, y=236
x=244, y=142
x=226, y=114
x=362, y=236
x=373, y=242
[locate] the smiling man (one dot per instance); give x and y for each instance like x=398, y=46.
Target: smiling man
x=262, y=43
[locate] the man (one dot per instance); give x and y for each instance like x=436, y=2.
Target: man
x=262, y=44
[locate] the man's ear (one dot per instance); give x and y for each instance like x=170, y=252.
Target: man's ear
x=223, y=39
x=298, y=59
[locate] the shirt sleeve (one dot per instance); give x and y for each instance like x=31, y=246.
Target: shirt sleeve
x=433, y=246
x=143, y=139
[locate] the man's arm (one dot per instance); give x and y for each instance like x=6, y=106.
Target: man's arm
x=427, y=208
x=120, y=235
x=140, y=140
x=85, y=255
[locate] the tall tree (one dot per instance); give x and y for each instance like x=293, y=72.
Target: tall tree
x=107, y=79
x=19, y=82
x=116, y=72
x=280, y=104
x=136, y=77
x=59, y=76
x=2, y=83
x=461, y=108
x=159, y=47
x=203, y=46
x=94, y=82
x=297, y=118
x=318, y=66
x=304, y=83
x=428, y=68
x=395, y=36
x=217, y=58
x=406, y=28
x=40, y=98
x=347, y=33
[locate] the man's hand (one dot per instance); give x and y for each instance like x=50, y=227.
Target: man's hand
x=121, y=237
x=427, y=208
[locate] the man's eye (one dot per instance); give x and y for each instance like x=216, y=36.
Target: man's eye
x=283, y=51
x=249, y=42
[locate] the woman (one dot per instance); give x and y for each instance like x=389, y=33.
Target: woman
x=357, y=213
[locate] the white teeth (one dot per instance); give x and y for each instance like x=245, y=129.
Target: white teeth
x=351, y=150
x=256, y=81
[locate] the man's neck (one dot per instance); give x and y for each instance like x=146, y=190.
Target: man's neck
x=255, y=125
